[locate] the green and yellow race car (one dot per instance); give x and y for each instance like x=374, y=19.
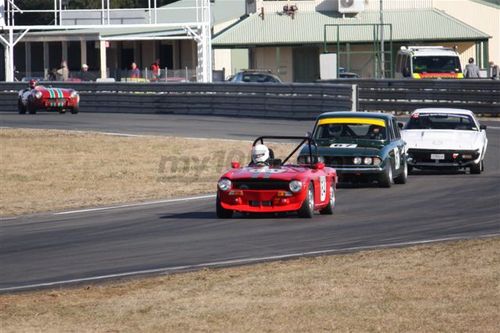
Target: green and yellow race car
x=361, y=146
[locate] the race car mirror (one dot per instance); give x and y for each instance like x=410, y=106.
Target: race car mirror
x=235, y=165
x=482, y=127
x=319, y=166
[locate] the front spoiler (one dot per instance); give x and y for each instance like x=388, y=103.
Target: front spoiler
x=375, y=171
x=259, y=197
x=441, y=165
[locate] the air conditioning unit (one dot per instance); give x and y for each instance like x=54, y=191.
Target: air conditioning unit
x=351, y=6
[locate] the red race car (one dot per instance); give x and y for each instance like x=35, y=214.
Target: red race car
x=37, y=97
x=269, y=185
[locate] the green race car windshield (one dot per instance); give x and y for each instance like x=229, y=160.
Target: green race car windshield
x=327, y=134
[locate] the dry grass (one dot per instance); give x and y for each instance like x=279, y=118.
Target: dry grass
x=451, y=287
x=45, y=170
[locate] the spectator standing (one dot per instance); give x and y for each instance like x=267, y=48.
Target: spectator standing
x=493, y=71
x=52, y=74
x=62, y=74
x=85, y=75
x=471, y=70
x=155, y=70
x=134, y=71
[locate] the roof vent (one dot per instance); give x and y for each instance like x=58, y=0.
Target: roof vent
x=351, y=6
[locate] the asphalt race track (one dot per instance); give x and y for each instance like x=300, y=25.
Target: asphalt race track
x=155, y=124
x=56, y=249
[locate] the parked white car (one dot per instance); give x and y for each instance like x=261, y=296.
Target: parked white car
x=440, y=138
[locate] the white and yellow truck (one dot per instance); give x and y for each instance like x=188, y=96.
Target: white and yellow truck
x=428, y=62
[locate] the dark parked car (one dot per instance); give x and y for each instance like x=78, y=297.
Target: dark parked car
x=255, y=76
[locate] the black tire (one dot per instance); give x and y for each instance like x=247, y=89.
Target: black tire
x=307, y=208
x=30, y=107
x=328, y=210
x=403, y=175
x=75, y=110
x=20, y=107
x=386, y=180
x=476, y=169
x=222, y=213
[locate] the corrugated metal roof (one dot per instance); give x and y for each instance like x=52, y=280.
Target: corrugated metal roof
x=308, y=28
x=183, y=11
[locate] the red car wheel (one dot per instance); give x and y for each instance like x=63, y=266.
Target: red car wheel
x=328, y=210
x=307, y=208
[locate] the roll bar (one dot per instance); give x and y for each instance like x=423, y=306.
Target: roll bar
x=310, y=142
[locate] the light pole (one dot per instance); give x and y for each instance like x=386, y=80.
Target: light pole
x=382, y=51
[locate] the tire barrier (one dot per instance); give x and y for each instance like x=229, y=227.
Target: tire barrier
x=296, y=101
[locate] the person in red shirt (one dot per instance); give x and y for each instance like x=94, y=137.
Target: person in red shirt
x=155, y=70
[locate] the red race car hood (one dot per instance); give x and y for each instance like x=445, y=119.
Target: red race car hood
x=266, y=172
x=54, y=92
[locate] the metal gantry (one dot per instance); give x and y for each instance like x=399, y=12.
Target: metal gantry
x=198, y=29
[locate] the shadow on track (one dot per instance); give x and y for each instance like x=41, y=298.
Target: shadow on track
x=210, y=215
x=430, y=172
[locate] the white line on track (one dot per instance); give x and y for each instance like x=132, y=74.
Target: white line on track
x=139, y=204
x=234, y=262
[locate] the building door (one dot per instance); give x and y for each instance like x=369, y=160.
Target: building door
x=74, y=56
x=55, y=55
x=166, y=56
x=305, y=64
x=127, y=58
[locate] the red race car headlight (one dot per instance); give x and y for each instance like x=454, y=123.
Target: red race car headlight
x=224, y=184
x=38, y=94
x=295, y=186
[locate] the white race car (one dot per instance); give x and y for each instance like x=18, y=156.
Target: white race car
x=439, y=138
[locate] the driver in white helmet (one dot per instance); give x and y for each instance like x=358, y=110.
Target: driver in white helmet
x=260, y=155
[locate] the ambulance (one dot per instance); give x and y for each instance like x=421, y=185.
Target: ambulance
x=428, y=62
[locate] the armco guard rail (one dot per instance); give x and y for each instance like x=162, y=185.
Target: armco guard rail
x=297, y=101
x=478, y=95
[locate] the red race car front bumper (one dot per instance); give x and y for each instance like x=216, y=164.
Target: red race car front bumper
x=59, y=103
x=261, y=201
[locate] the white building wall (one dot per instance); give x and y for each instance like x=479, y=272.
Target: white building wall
x=222, y=59
x=332, y=5
x=374, y=5
x=482, y=17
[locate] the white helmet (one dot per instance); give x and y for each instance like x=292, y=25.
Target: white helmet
x=260, y=153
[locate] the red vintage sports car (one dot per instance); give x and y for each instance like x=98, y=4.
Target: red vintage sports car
x=276, y=186
x=37, y=97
